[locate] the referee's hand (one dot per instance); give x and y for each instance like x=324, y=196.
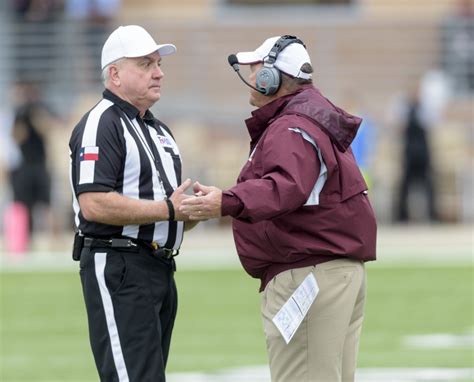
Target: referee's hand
x=177, y=197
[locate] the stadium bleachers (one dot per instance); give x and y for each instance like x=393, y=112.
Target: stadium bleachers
x=378, y=49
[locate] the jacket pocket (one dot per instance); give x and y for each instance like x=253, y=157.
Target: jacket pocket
x=270, y=238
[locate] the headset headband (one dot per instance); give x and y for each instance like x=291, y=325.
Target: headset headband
x=279, y=45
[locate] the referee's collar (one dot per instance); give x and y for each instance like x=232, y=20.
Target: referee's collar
x=131, y=111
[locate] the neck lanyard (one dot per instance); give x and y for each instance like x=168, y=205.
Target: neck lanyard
x=160, y=172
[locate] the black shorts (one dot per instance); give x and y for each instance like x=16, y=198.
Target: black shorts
x=131, y=303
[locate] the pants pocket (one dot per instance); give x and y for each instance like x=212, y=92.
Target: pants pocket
x=115, y=272
x=341, y=275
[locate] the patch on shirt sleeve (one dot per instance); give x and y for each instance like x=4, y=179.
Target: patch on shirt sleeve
x=89, y=153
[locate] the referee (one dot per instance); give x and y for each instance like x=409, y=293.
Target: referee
x=125, y=176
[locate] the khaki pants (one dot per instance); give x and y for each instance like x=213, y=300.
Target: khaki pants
x=325, y=346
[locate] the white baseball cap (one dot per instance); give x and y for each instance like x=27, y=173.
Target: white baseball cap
x=131, y=41
x=289, y=60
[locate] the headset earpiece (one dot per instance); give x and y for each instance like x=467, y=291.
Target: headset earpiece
x=268, y=78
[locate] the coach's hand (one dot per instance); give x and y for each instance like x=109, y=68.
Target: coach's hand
x=205, y=205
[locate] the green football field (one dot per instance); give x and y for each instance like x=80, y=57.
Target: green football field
x=44, y=334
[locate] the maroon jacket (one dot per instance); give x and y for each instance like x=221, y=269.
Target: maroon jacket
x=279, y=223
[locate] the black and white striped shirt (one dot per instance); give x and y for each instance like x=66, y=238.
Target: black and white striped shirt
x=113, y=149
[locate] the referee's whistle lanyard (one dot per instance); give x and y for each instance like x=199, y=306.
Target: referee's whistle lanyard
x=152, y=151
x=156, y=159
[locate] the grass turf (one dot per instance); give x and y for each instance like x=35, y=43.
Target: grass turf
x=44, y=336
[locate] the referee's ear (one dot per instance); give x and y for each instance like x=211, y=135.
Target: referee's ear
x=113, y=74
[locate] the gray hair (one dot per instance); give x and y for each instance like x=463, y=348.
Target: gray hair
x=105, y=75
x=105, y=72
x=292, y=83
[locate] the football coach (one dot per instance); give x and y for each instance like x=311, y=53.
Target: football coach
x=302, y=220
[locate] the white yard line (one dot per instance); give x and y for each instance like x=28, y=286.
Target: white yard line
x=261, y=374
x=440, y=341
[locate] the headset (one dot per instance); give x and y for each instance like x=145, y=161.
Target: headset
x=268, y=79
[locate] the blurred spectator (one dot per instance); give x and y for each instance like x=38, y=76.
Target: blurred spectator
x=434, y=96
x=30, y=179
x=458, y=47
x=94, y=11
x=10, y=156
x=94, y=19
x=36, y=10
x=35, y=23
x=416, y=162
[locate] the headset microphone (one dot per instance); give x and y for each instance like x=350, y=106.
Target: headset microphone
x=235, y=64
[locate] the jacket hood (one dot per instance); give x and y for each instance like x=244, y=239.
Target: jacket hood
x=339, y=125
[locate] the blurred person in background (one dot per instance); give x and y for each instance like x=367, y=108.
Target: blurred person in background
x=30, y=178
x=125, y=173
x=93, y=20
x=457, y=32
x=33, y=23
x=10, y=156
x=93, y=11
x=302, y=220
x=418, y=119
x=36, y=11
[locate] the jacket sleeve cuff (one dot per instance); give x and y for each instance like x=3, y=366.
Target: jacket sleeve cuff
x=231, y=204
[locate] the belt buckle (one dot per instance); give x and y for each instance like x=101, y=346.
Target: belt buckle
x=121, y=243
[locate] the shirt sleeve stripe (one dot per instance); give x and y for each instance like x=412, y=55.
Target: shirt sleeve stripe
x=89, y=137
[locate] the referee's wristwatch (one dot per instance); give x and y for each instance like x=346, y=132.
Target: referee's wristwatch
x=169, y=203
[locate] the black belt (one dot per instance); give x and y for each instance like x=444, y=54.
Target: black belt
x=130, y=244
